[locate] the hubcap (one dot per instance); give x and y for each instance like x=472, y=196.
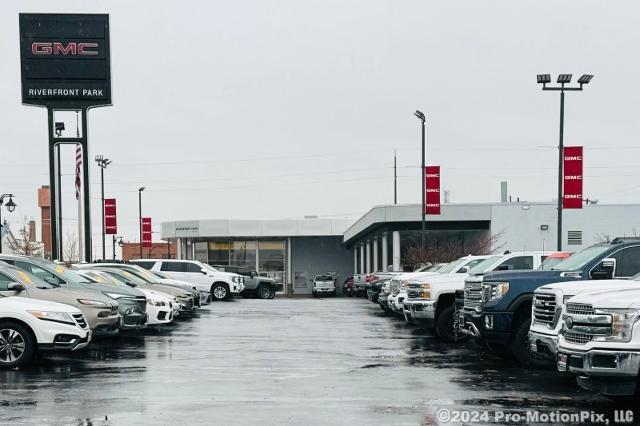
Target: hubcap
x=12, y=345
x=266, y=292
x=220, y=292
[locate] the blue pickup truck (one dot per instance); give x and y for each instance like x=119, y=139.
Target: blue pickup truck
x=496, y=307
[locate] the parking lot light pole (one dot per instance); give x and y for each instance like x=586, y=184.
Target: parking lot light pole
x=102, y=163
x=11, y=206
x=140, y=215
x=563, y=80
x=120, y=244
x=422, y=119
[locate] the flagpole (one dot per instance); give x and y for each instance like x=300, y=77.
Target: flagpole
x=79, y=198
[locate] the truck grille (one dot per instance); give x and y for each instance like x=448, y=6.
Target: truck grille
x=580, y=309
x=473, y=297
x=544, y=308
x=79, y=318
x=577, y=338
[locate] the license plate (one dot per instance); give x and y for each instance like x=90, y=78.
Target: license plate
x=563, y=360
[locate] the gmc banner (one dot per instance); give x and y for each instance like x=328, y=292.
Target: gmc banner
x=146, y=232
x=432, y=188
x=65, y=59
x=110, y=221
x=572, y=166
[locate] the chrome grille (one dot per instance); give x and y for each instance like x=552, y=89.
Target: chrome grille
x=544, y=308
x=577, y=338
x=580, y=309
x=79, y=318
x=473, y=297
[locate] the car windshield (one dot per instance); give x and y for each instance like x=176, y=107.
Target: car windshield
x=450, y=267
x=127, y=277
x=206, y=266
x=550, y=262
x=102, y=277
x=578, y=260
x=160, y=275
x=65, y=273
x=484, y=266
x=324, y=278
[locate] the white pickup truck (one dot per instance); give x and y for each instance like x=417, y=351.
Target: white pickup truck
x=549, y=304
x=600, y=342
x=431, y=301
x=399, y=285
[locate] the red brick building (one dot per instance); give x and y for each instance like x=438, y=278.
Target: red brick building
x=157, y=251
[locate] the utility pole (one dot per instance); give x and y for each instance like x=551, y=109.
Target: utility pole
x=102, y=163
x=395, y=177
x=422, y=118
x=140, y=215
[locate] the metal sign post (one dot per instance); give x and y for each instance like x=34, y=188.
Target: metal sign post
x=65, y=66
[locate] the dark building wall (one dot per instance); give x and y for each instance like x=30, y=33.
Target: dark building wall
x=318, y=255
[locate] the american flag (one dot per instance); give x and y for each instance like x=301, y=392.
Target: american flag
x=78, y=168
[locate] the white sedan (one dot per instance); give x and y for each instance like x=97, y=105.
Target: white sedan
x=29, y=326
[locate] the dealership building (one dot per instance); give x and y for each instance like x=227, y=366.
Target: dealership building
x=294, y=251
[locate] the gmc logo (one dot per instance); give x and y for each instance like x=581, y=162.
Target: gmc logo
x=433, y=175
x=71, y=48
x=573, y=197
x=432, y=190
x=573, y=177
x=577, y=158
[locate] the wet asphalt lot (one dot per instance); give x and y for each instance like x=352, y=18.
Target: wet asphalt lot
x=282, y=361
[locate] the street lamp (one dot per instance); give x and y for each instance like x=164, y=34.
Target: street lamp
x=102, y=163
x=422, y=118
x=563, y=79
x=140, y=215
x=10, y=206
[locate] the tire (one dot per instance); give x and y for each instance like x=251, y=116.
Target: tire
x=263, y=292
x=17, y=345
x=520, y=348
x=444, y=326
x=220, y=291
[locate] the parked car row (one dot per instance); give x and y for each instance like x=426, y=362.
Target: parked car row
x=579, y=313
x=46, y=306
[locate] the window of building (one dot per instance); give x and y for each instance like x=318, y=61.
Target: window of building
x=219, y=253
x=243, y=253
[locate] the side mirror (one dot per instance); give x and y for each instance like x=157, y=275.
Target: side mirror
x=16, y=287
x=204, y=271
x=130, y=284
x=53, y=281
x=463, y=270
x=254, y=274
x=605, y=269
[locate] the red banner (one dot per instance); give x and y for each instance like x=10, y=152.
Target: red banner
x=110, y=220
x=572, y=166
x=432, y=188
x=146, y=232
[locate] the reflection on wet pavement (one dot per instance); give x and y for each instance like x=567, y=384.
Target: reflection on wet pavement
x=284, y=361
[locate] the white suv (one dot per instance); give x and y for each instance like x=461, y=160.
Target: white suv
x=222, y=285
x=30, y=325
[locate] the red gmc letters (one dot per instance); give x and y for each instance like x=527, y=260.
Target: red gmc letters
x=71, y=48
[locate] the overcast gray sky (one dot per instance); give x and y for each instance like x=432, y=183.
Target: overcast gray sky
x=279, y=109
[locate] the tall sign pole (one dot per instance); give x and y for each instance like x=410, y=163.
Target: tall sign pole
x=65, y=66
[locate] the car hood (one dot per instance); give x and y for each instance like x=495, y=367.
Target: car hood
x=618, y=299
x=23, y=303
x=589, y=286
x=68, y=295
x=113, y=288
x=526, y=274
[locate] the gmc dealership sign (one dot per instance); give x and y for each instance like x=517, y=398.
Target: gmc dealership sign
x=432, y=189
x=572, y=167
x=65, y=60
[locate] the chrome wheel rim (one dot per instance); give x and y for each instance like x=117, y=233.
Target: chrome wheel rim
x=220, y=292
x=12, y=345
x=265, y=292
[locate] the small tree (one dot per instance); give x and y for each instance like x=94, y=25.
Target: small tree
x=25, y=242
x=70, y=248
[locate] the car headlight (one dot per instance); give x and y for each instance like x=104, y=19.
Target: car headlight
x=92, y=302
x=154, y=302
x=115, y=295
x=235, y=279
x=495, y=291
x=62, y=317
x=622, y=322
x=425, y=295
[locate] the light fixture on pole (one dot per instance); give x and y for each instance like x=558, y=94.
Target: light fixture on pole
x=102, y=163
x=422, y=119
x=119, y=242
x=140, y=215
x=563, y=80
x=10, y=206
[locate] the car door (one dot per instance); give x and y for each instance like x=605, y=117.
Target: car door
x=627, y=262
x=174, y=269
x=193, y=274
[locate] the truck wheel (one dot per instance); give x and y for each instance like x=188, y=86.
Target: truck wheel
x=521, y=349
x=17, y=345
x=263, y=292
x=444, y=326
x=220, y=291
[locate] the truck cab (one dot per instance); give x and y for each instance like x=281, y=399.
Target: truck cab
x=497, y=305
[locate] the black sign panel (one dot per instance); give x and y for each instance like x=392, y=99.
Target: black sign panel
x=65, y=60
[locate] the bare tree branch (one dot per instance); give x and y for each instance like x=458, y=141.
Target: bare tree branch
x=24, y=243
